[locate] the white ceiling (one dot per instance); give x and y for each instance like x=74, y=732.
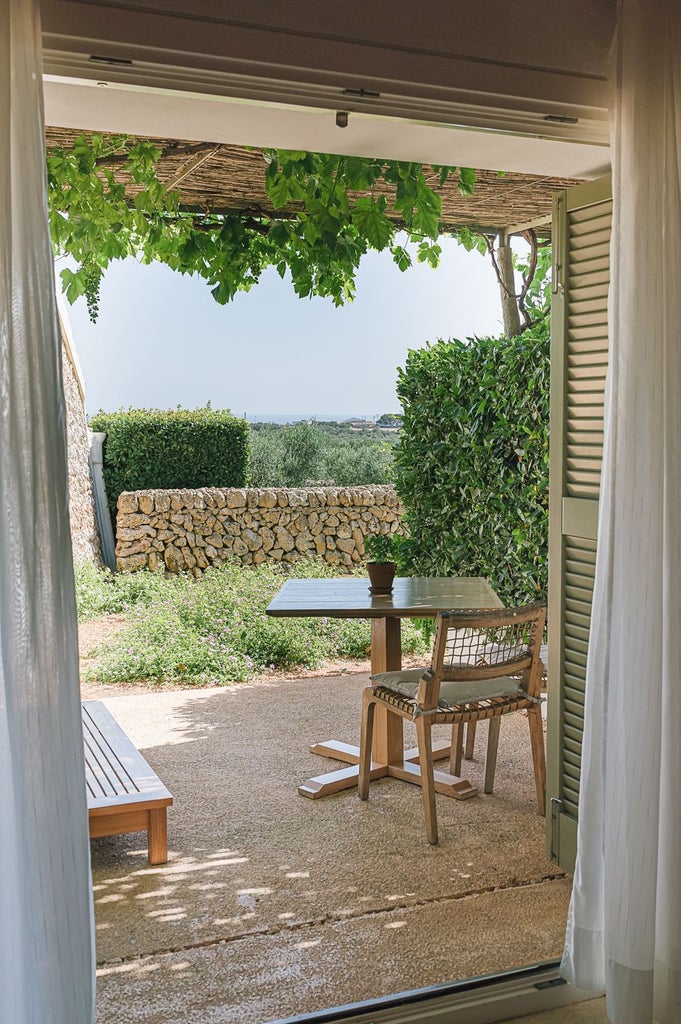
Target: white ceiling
x=141, y=110
x=473, y=85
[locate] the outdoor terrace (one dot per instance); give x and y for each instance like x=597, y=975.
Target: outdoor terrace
x=273, y=905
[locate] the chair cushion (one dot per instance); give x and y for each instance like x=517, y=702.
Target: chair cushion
x=452, y=694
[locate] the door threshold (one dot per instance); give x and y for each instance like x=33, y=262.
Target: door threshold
x=487, y=999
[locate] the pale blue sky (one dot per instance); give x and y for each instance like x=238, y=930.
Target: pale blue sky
x=162, y=341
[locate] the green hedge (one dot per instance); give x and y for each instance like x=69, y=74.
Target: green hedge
x=472, y=462
x=176, y=448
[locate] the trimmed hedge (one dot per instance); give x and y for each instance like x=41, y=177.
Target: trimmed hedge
x=472, y=461
x=175, y=448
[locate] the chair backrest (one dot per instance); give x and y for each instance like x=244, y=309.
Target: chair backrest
x=477, y=644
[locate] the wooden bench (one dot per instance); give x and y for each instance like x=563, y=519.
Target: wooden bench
x=123, y=792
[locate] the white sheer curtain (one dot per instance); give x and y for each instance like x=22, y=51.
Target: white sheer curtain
x=46, y=945
x=624, y=927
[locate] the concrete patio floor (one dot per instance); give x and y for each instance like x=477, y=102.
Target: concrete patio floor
x=273, y=905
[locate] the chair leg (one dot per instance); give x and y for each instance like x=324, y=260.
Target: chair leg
x=425, y=745
x=538, y=757
x=366, y=737
x=491, y=755
x=457, y=749
x=470, y=741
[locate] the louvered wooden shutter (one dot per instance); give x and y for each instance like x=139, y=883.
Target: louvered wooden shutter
x=579, y=341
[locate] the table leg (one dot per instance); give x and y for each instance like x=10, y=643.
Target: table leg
x=386, y=656
x=388, y=754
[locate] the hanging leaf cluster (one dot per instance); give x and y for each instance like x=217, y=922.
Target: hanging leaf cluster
x=106, y=202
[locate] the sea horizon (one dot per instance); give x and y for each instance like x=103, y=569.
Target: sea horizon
x=298, y=417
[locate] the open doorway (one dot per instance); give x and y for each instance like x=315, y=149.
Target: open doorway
x=399, y=897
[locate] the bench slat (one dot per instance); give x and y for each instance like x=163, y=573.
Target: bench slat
x=123, y=793
x=107, y=775
x=116, y=772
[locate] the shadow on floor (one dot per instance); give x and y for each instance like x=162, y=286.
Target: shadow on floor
x=272, y=904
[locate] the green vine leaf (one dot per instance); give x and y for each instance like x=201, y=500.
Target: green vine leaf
x=368, y=217
x=106, y=202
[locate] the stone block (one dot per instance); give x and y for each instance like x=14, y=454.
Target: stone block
x=267, y=537
x=200, y=557
x=127, y=502
x=283, y=538
x=268, y=498
x=236, y=498
x=131, y=564
x=173, y=559
x=134, y=534
x=252, y=540
x=131, y=519
x=134, y=548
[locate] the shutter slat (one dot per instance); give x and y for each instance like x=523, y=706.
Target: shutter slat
x=585, y=234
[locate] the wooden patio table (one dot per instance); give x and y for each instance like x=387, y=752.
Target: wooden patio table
x=412, y=597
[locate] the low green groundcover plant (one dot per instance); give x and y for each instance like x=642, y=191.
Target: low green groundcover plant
x=214, y=631
x=101, y=592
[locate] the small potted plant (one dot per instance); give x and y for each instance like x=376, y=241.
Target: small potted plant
x=381, y=551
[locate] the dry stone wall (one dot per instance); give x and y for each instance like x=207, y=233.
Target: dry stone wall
x=189, y=530
x=84, y=529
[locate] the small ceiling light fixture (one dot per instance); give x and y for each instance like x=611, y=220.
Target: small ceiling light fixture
x=362, y=93
x=342, y=118
x=561, y=119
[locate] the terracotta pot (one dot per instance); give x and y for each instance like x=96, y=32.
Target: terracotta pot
x=381, y=576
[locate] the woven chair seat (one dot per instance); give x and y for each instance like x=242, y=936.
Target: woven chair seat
x=488, y=707
x=453, y=693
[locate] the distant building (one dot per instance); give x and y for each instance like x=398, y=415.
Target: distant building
x=389, y=421
x=356, y=424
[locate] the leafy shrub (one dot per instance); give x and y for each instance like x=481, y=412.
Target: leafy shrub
x=472, y=461
x=172, y=448
x=382, y=547
x=213, y=630
x=297, y=454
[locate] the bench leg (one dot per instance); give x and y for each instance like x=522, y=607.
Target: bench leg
x=158, y=836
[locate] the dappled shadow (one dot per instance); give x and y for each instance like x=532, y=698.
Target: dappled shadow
x=252, y=862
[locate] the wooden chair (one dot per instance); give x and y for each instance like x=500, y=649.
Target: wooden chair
x=484, y=665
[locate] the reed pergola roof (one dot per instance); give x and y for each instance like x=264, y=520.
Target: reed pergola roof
x=221, y=178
